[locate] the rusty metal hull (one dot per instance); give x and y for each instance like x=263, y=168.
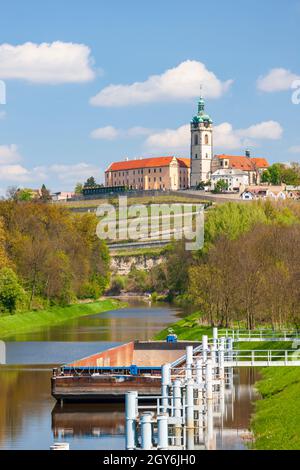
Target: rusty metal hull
x=109, y=375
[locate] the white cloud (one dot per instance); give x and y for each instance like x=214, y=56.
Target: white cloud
x=15, y=173
x=170, y=140
x=295, y=149
x=112, y=133
x=9, y=154
x=278, y=79
x=225, y=137
x=105, y=133
x=179, y=83
x=56, y=62
x=270, y=130
x=73, y=173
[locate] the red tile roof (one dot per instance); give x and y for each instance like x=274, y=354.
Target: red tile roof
x=245, y=163
x=147, y=163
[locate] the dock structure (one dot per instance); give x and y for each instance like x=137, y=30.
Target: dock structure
x=193, y=391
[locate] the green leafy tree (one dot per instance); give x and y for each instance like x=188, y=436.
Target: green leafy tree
x=25, y=195
x=90, y=182
x=221, y=186
x=78, y=188
x=10, y=290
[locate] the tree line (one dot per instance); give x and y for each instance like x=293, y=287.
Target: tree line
x=48, y=255
x=248, y=272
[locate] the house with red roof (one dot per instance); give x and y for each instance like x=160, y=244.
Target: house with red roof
x=157, y=173
x=251, y=168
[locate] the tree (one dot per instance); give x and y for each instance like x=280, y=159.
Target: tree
x=10, y=290
x=278, y=173
x=11, y=193
x=78, y=188
x=25, y=194
x=220, y=187
x=90, y=182
x=45, y=194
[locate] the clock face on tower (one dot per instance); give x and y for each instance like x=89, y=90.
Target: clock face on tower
x=206, y=124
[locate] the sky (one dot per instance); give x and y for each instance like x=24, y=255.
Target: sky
x=83, y=84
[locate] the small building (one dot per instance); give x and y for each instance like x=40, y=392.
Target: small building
x=62, y=196
x=264, y=192
x=158, y=173
x=292, y=192
x=252, y=167
x=236, y=179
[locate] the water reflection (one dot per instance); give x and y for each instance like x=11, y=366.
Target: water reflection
x=140, y=321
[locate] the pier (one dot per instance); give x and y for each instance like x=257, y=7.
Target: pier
x=193, y=393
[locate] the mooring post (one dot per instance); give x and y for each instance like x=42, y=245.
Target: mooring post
x=177, y=399
x=165, y=383
x=190, y=404
x=130, y=422
x=229, y=348
x=162, y=431
x=204, y=348
x=178, y=410
x=146, y=431
x=208, y=380
x=215, y=337
x=210, y=427
x=189, y=362
x=221, y=360
x=199, y=378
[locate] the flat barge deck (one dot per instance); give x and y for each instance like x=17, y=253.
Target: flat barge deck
x=109, y=375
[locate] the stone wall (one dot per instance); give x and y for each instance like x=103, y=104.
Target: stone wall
x=123, y=264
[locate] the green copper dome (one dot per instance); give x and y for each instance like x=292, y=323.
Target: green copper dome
x=201, y=116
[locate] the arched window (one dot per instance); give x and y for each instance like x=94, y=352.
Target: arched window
x=206, y=139
x=196, y=141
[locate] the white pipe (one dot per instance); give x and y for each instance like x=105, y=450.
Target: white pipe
x=165, y=383
x=208, y=379
x=190, y=404
x=130, y=423
x=146, y=431
x=189, y=361
x=215, y=337
x=162, y=431
x=204, y=347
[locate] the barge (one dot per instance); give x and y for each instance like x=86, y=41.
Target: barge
x=110, y=374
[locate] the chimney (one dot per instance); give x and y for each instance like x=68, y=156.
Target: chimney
x=248, y=153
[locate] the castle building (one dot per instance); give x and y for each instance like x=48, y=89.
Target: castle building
x=159, y=173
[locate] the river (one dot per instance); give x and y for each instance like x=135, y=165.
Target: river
x=29, y=416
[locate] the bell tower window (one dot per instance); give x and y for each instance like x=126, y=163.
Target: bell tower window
x=206, y=139
x=196, y=140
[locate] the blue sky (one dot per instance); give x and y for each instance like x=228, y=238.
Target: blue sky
x=63, y=121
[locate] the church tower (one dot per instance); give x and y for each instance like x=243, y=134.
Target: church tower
x=201, y=146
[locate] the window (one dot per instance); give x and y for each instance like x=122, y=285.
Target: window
x=196, y=140
x=196, y=156
x=206, y=139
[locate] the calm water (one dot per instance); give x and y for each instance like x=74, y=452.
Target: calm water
x=30, y=418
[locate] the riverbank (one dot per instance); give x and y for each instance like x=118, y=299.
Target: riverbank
x=276, y=419
x=35, y=320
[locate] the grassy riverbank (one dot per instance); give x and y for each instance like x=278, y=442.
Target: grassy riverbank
x=32, y=321
x=276, y=420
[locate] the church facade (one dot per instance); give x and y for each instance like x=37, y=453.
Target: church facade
x=207, y=167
